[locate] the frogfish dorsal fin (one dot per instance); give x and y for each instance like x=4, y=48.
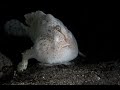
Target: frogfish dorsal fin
x=31, y=18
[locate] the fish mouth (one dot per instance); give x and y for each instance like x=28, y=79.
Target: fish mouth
x=58, y=28
x=65, y=45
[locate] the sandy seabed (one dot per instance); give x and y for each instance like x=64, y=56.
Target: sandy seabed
x=75, y=74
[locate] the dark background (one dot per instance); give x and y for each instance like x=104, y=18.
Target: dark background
x=92, y=27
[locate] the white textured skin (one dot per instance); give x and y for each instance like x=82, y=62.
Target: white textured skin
x=53, y=42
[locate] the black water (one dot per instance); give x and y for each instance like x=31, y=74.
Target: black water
x=93, y=29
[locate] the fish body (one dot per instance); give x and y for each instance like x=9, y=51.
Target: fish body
x=53, y=42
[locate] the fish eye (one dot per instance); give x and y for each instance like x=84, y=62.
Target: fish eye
x=57, y=27
x=49, y=30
